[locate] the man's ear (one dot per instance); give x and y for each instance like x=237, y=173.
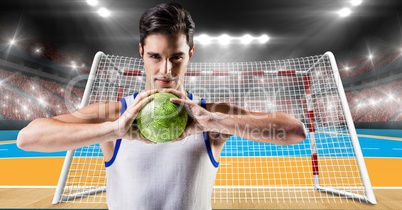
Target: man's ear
x=191, y=51
x=140, y=49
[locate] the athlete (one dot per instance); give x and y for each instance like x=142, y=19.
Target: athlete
x=140, y=173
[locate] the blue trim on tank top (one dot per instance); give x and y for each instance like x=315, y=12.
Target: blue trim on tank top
x=123, y=106
x=204, y=103
x=207, y=140
x=209, y=149
x=116, y=149
x=190, y=95
x=118, y=141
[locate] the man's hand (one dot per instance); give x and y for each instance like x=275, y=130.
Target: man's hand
x=198, y=116
x=124, y=126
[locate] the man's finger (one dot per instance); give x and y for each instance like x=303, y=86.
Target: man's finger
x=133, y=110
x=184, y=102
x=142, y=95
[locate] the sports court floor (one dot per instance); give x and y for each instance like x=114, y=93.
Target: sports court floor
x=28, y=179
x=33, y=198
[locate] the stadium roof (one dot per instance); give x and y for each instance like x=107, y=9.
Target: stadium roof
x=295, y=27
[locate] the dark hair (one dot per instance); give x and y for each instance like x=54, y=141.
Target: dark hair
x=169, y=18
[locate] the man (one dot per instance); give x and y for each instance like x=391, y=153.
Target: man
x=140, y=173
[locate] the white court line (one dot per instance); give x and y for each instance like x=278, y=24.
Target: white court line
x=367, y=136
x=387, y=188
x=396, y=148
x=380, y=137
x=8, y=142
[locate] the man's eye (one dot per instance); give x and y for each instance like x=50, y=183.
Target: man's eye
x=154, y=56
x=176, y=57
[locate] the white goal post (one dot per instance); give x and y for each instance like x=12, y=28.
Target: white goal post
x=327, y=166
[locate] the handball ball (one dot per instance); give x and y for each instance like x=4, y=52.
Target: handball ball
x=161, y=120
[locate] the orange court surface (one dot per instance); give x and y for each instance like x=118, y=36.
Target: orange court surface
x=32, y=185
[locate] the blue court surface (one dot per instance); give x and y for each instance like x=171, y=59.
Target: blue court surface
x=373, y=142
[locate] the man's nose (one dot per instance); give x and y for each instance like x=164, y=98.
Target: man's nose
x=166, y=67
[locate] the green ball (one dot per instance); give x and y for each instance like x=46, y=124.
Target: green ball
x=161, y=120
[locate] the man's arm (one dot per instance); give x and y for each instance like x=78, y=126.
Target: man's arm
x=95, y=123
x=277, y=128
x=89, y=125
x=229, y=119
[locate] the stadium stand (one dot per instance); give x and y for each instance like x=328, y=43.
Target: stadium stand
x=376, y=104
x=44, y=50
x=25, y=98
x=359, y=66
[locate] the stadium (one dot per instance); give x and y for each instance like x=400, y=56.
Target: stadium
x=337, y=70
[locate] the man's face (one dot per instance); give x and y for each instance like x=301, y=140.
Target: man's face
x=165, y=60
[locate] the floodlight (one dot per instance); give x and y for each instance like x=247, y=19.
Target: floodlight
x=92, y=2
x=204, y=39
x=42, y=101
x=263, y=38
x=356, y=2
x=224, y=39
x=344, y=12
x=12, y=42
x=246, y=39
x=103, y=12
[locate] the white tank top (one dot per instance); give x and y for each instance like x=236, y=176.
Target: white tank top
x=177, y=175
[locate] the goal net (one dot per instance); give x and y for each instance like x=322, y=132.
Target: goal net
x=327, y=166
